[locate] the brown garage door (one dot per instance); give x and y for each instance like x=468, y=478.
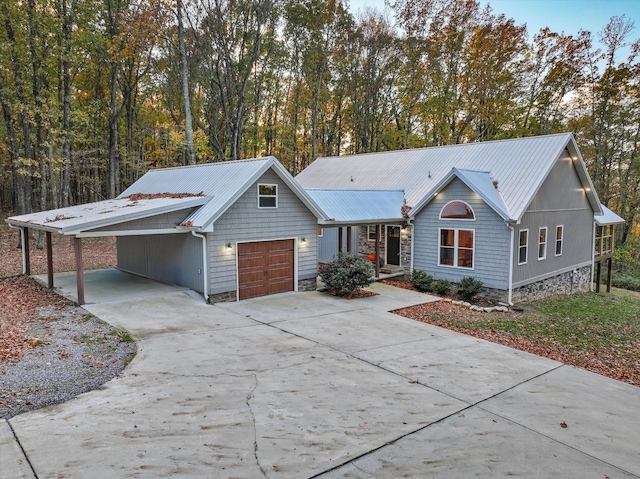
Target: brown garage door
x=265, y=268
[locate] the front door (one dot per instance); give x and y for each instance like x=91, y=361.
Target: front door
x=393, y=245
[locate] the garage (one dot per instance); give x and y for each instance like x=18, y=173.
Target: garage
x=265, y=267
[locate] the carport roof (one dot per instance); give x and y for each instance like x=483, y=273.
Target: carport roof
x=74, y=220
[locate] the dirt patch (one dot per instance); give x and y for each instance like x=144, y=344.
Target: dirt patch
x=52, y=350
x=363, y=293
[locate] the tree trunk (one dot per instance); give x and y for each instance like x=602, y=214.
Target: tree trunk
x=24, y=168
x=188, y=127
x=67, y=25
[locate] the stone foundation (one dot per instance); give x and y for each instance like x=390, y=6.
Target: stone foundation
x=565, y=283
x=226, y=297
x=310, y=284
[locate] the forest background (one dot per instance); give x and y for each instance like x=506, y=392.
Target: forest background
x=96, y=92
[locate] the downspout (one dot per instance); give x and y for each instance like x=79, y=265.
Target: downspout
x=205, y=269
x=593, y=255
x=510, y=290
x=409, y=223
x=23, y=243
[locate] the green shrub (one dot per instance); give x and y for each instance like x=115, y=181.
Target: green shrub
x=468, y=287
x=421, y=281
x=441, y=286
x=632, y=283
x=347, y=274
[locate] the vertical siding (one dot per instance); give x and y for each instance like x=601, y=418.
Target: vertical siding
x=171, y=258
x=560, y=201
x=328, y=243
x=244, y=221
x=492, y=237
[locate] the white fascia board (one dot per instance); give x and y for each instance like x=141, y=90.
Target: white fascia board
x=375, y=221
x=26, y=224
x=159, y=231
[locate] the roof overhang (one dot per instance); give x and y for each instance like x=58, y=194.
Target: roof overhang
x=202, y=220
x=479, y=182
x=75, y=220
x=607, y=217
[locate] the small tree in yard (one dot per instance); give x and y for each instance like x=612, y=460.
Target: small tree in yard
x=468, y=287
x=347, y=274
x=421, y=281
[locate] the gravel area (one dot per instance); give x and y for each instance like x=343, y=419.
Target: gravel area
x=72, y=352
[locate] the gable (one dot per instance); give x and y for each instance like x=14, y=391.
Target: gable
x=562, y=189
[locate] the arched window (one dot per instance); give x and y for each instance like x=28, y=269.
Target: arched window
x=457, y=210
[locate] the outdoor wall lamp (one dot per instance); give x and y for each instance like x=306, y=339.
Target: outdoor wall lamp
x=303, y=240
x=229, y=246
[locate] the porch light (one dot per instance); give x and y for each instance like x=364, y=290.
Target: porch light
x=303, y=240
x=229, y=247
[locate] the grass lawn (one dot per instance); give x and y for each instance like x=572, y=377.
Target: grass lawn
x=599, y=332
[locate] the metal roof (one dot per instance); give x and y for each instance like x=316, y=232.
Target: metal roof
x=519, y=165
x=607, y=217
x=359, y=206
x=222, y=183
x=76, y=219
x=479, y=181
x=218, y=184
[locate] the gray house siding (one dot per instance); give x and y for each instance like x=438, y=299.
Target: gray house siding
x=244, y=221
x=491, y=236
x=165, y=220
x=561, y=201
x=170, y=258
x=328, y=243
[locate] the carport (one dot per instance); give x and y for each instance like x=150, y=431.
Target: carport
x=128, y=216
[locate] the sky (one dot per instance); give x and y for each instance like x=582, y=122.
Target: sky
x=563, y=16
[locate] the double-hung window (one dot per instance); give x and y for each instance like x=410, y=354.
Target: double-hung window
x=559, y=239
x=267, y=196
x=523, y=247
x=542, y=244
x=456, y=245
x=456, y=248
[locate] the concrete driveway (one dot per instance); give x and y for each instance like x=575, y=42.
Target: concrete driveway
x=306, y=385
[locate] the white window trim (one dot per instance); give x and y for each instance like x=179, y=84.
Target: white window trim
x=456, y=247
x=526, y=246
x=457, y=219
x=369, y=238
x=561, y=240
x=546, y=241
x=267, y=196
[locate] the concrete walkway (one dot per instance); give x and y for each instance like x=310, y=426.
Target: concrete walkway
x=304, y=385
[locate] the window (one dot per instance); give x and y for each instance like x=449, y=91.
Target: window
x=267, y=196
x=320, y=232
x=523, y=246
x=542, y=244
x=559, y=234
x=456, y=248
x=457, y=210
x=371, y=231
